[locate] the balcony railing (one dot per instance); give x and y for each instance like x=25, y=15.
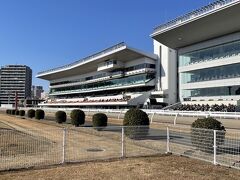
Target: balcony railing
x=108, y=76
x=137, y=81
x=86, y=58
x=198, y=12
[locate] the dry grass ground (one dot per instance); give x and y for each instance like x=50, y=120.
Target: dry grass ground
x=163, y=167
x=29, y=142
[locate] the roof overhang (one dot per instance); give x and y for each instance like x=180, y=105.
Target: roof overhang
x=225, y=20
x=119, y=52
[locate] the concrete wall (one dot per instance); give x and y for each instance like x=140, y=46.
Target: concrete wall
x=166, y=79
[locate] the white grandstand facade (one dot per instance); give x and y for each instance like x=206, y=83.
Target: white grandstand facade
x=196, y=60
x=117, y=77
x=207, y=44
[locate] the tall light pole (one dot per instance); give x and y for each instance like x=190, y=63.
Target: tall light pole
x=16, y=100
x=8, y=93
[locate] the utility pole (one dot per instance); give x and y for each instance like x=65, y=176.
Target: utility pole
x=16, y=100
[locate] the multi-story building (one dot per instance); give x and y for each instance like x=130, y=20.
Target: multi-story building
x=207, y=47
x=196, y=59
x=36, y=92
x=15, y=79
x=116, y=77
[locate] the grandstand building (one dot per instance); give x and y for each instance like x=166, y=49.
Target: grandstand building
x=196, y=60
x=207, y=44
x=116, y=77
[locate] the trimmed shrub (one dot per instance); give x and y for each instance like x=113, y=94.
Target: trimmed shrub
x=17, y=112
x=22, y=113
x=8, y=111
x=77, y=117
x=99, y=121
x=13, y=111
x=202, y=134
x=137, y=123
x=39, y=114
x=60, y=117
x=31, y=113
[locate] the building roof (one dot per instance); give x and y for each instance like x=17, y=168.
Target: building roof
x=214, y=20
x=119, y=51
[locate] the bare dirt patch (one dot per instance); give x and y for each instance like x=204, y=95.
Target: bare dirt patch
x=165, y=167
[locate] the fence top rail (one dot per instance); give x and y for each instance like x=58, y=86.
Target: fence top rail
x=49, y=130
x=159, y=111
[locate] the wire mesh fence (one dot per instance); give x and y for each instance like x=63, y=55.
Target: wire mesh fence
x=26, y=147
x=218, y=147
x=84, y=144
x=23, y=149
x=228, y=153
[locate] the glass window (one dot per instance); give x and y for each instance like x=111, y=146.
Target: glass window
x=209, y=74
x=217, y=91
x=212, y=53
x=143, y=78
x=132, y=68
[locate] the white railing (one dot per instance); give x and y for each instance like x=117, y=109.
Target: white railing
x=119, y=113
x=24, y=148
x=117, y=46
x=192, y=15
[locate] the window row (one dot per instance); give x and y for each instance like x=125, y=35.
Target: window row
x=132, y=68
x=216, y=91
x=209, y=74
x=106, y=84
x=209, y=54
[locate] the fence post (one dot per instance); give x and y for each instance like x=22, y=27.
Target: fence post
x=215, y=147
x=64, y=145
x=119, y=114
x=123, y=143
x=175, y=119
x=152, y=117
x=168, y=139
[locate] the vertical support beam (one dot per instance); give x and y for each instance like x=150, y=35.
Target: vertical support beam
x=215, y=147
x=158, y=73
x=64, y=145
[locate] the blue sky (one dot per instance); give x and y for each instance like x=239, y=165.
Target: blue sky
x=44, y=34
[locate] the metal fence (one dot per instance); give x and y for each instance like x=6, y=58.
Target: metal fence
x=154, y=114
x=218, y=147
x=27, y=148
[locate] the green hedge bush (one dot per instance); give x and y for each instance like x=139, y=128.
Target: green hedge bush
x=8, y=111
x=17, y=112
x=31, y=113
x=22, y=113
x=136, y=122
x=77, y=117
x=39, y=114
x=13, y=112
x=99, y=121
x=60, y=117
x=202, y=135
